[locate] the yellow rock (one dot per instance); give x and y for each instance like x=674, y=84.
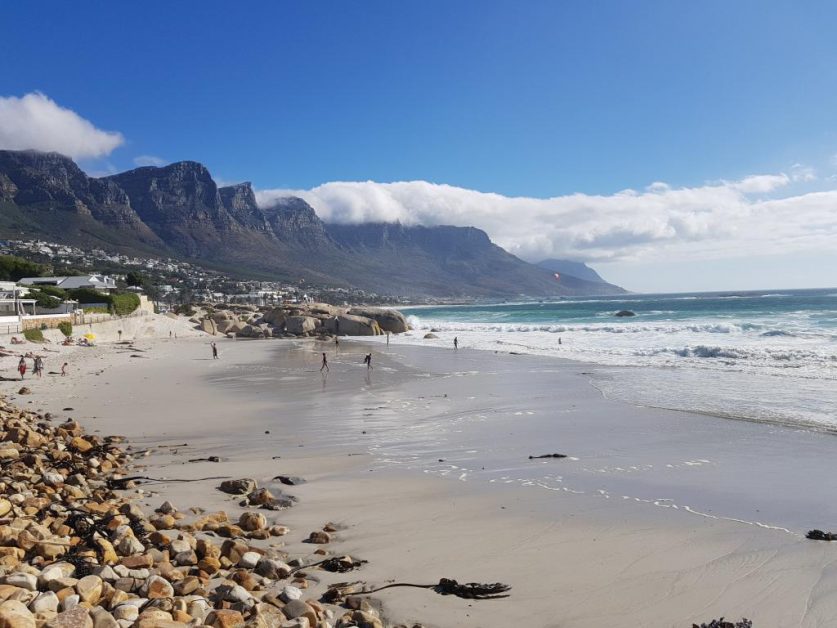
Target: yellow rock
x=109, y=556
x=14, y=614
x=81, y=445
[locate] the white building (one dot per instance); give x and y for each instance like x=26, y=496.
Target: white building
x=103, y=283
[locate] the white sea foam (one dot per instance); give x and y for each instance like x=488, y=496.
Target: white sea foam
x=794, y=346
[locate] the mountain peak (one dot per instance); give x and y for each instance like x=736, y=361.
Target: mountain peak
x=178, y=211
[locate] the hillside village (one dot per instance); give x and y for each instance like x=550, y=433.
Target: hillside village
x=170, y=282
x=71, y=285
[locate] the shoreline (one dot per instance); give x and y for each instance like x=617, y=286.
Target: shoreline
x=442, y=528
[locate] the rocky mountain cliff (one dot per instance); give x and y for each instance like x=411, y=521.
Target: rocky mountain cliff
x=179, y=211
x=578, y=270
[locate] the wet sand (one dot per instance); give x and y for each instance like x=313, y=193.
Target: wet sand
x=603, y=538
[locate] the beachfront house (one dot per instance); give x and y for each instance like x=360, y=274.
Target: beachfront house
x=13, y=306
x=102, y=283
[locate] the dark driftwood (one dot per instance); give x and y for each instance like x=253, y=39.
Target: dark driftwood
x=548, y=456
x=819, y=535
x=446, y=586
x=721, y=623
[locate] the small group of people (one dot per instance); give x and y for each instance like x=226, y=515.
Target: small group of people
x=37, y=367
x=367, y=360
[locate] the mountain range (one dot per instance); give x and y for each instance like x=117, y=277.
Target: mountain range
x=179, y=211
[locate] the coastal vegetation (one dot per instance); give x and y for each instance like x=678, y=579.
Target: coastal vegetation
x=14, y=268
x=33, y=335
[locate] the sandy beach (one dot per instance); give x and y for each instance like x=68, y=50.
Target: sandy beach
x=656, y=518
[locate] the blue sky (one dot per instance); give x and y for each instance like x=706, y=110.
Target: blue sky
x=533, y=99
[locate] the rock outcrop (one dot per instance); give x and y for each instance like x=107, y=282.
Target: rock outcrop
x=301, y=325
x=388, y=320
x=350, y=325
x=293, y=319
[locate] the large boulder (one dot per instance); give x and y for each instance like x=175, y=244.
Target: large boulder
x=299, y=325
x=222, y=315
x=349, y=325
x=235, y=327
x=324, y=310
x=392, y=321
x=208, y=326
x=276, y=316
x=225, y=325
x=251, y=331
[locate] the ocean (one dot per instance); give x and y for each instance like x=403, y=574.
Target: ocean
x=758, y=355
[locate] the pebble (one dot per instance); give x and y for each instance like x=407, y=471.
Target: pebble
x=290, y=593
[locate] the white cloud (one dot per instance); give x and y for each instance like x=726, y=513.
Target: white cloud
x=715, y=220
x=35, y=121
x=149, y=160
x=802, y=173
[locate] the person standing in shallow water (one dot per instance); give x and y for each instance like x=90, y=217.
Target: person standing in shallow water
x=455, y=343
x=325, y=364
x=367, y=360
x=214, y=351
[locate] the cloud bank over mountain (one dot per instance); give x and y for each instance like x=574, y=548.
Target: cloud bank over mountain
x=35, y=121
x=719, y=219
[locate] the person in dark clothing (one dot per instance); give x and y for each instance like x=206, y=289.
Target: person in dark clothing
x=325, y=364
x=214, y=351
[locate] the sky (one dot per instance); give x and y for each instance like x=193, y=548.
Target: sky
x=673, y=145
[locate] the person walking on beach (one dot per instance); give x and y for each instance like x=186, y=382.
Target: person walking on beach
x=64, y=369
x=455, y=343
x=39, y=366
x=368, y=361
x=387, y=338
x=214, y=351
x=325, y=364
x=120, y=335
x=21, y=367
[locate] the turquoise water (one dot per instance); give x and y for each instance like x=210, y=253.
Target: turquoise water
x=769, y=355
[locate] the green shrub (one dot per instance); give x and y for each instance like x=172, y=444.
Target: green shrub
x=33, y=335
x=89, y=295
x=124, y=304
x=53, y=291
x=13, y=268
x=121, y=304
x=185, y=309
x=43, y=299
x=66, y=328
x=96, y=310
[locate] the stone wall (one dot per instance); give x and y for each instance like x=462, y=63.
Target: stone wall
x=48, y=321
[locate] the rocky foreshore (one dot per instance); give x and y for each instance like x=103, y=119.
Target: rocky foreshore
x=76, y=551
x=293, y=320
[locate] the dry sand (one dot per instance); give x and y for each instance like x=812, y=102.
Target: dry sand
x=572, y=559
